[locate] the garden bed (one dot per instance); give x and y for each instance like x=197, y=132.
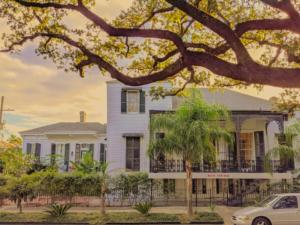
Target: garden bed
x=110, y=218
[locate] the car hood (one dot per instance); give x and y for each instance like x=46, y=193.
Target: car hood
x=249, y=210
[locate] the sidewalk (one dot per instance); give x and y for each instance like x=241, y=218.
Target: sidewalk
x=225, y=212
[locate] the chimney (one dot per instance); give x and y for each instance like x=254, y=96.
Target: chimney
x=82, y=116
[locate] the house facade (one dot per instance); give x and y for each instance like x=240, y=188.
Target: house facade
x=69, y=141
x=255, y=127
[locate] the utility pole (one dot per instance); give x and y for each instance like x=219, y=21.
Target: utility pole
x=2, y=110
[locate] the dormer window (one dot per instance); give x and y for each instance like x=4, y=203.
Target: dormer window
x=132, y=101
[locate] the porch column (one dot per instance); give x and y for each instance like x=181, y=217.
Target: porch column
x=238, y=126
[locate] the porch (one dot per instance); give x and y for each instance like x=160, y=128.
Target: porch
x=255, y=134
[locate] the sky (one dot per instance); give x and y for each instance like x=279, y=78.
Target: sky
x=41, y=94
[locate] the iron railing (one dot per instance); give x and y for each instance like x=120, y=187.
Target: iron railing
x=224, y=166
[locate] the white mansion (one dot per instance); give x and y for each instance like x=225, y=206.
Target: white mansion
x=124, y=142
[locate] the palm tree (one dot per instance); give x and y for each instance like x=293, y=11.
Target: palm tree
x=190, y=132
x=287, y=149
x=90, y=166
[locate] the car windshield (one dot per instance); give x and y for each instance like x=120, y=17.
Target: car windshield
x=267, y=201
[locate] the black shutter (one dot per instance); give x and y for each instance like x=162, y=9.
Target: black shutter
x=142, y=101
x=37, y=152
x=77, y=153
x=123, y=101
x=28, y=148
x=92, y=150
x=259, y=150
x=67, y=153
x=102, y=153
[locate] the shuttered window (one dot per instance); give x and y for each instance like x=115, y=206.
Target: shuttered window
x=133, y=101
x=67, y=153
x=102, y=153
x=142, y=101
x=28, y=148
x=37, y=152
x=91, y=147
x=53, y=152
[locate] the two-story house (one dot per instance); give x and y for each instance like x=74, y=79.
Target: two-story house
x=256, y=127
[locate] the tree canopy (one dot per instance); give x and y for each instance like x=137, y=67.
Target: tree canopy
x=232, y=42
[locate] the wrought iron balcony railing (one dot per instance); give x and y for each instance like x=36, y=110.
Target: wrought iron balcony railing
x=223, y=166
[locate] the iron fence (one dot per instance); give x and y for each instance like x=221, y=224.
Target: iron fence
x=157, y=195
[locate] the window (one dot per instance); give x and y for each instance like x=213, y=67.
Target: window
x=246, y=146
x=287, y=202
x=34, y=149
x=169, y=186
x=82, y=149
x=133, y=153
x=199, y=186
x=133, y=101
x=60, y=151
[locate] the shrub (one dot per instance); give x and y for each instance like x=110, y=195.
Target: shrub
x=143, y=207
x=58, y=210
x=212, y=207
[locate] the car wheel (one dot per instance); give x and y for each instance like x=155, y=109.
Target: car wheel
x=261, y=221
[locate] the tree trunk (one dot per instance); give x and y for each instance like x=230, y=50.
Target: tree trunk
x=189, y=198
x=103, y=190
x=19, y=205
x=102, y=203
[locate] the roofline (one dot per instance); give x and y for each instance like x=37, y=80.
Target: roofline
x=234, y=112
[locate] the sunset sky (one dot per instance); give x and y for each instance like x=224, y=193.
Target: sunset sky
x=42, y=94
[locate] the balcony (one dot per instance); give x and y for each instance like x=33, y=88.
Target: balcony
x=223, y=166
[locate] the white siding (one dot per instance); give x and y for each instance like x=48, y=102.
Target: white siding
x=120, y=123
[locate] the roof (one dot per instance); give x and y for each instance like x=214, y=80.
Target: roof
x=233, y=100
x=69, y=128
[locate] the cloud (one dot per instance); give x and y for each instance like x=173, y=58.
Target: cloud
x=42, y=94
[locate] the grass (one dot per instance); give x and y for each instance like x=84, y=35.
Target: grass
x=97, y=219
x=208, y=217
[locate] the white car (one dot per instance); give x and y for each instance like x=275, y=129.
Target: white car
x=281, y=209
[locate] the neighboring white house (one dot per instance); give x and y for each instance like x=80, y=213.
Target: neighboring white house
x=69, y=140
x=256, y=127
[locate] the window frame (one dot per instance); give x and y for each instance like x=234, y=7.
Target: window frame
x=132, y=158
x=137, y=92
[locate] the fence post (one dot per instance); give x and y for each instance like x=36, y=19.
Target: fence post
x=210, y=200
x=227, y=197
x=151, y=194
x=196, y=195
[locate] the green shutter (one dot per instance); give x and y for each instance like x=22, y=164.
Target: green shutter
x=142, y=101
x=67, y=153
x=102, y=153
x=92, y=150
x=28, y=148
x=37, y=152
x=77, y=153
x=123, y=101
x=53, y=152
